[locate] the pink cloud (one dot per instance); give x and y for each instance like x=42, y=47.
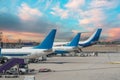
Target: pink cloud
x=74, y=4
x=93, y=16
x=13, y=36
x=113, y=34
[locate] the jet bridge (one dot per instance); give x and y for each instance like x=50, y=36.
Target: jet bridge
x=11, y=63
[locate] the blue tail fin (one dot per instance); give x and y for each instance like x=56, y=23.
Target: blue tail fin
x=75, y=40
x=47, y=43
x=91, y=40
x=95, y=36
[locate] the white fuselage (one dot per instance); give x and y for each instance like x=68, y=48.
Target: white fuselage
x=60, y=43
x=25, y=53
x=64, y=48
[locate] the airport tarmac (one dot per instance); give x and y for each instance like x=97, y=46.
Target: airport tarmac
x=78, y=68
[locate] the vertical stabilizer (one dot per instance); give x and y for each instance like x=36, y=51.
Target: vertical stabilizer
x=92, y=39
x=47, y=43
x=95, y=36
x=75, y=40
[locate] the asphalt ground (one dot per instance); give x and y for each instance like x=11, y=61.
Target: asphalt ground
x=103, y=67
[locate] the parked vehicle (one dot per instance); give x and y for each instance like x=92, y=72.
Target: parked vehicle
x=12, y=71
x=45, y=70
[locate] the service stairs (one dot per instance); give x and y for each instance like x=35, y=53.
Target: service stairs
x=11, y=63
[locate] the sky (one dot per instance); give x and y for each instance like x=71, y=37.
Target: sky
x=33, y=19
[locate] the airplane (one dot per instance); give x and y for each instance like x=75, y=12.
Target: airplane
x=44, y=48
x=93, y=39
x=70, y=47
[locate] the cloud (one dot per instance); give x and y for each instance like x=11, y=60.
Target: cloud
x=106, y=4
x=93, y=16
x=28, y=13
x=9, y=21
x=75, y=31
x=114, y=33
x=89, y=15
x=96, y=13
x=13, y=23
x=16, y=35
x=57, y=11
x=71, y=8
x=74, y=4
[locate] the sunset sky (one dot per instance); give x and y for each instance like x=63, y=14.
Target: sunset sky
x=33, y=19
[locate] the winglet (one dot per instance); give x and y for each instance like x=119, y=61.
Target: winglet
x=47, y=43
x=75, y=40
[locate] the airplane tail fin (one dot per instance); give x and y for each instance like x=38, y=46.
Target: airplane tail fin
x=47, y=43
x=92, y=39
x=96, y=35
x=75, y=40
